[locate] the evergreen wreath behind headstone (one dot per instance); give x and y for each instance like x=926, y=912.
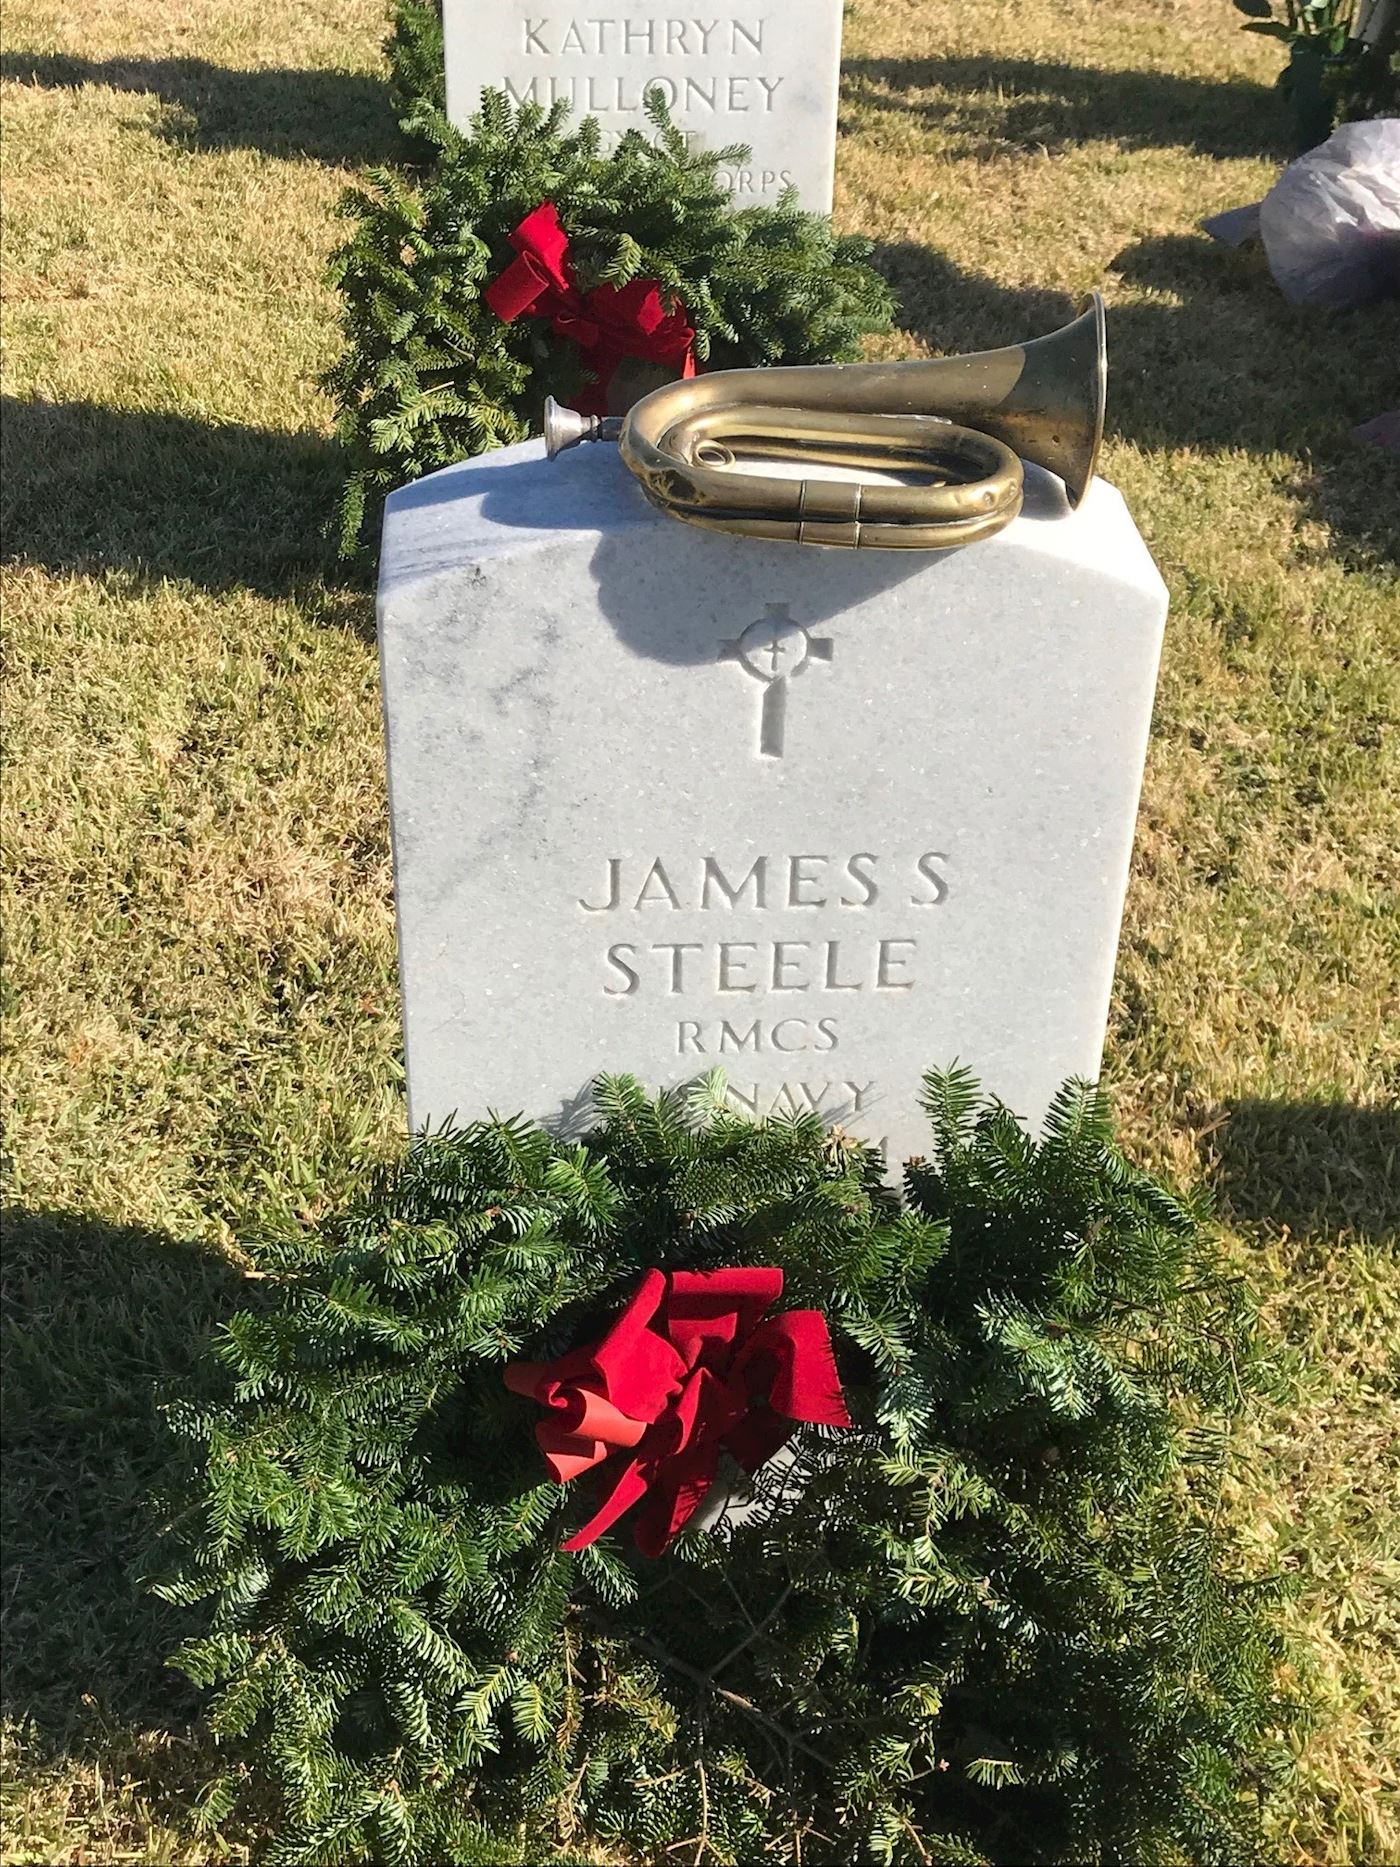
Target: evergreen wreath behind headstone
x=432, y=373
x=417, y=61
x=994, y=1619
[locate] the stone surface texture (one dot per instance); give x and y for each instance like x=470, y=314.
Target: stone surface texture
x=763, y=73
x=666, y=799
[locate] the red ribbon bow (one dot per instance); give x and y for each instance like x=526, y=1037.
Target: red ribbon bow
x=607, y=324
x=693, y=1366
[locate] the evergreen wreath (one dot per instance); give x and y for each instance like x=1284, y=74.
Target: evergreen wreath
x=431, y=373
x=994, y=1621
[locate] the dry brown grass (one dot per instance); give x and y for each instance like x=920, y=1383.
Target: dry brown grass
x=200, y=999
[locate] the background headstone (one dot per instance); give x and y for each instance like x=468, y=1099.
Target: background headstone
x=665, y=799
x=761, y=72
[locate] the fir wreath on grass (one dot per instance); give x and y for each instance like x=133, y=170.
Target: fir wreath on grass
x=995, y=1620
x=431, y=373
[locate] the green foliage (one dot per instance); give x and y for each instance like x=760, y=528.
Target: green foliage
x=996, y=1623
x=1366, y=82
x=431, y=375
x=416, y=62
x=1329, y=21
x=1331, y=77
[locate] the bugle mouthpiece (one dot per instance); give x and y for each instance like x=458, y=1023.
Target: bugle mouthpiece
x=565, y=427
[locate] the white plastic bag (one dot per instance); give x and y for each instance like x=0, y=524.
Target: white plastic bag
x=1331, y=222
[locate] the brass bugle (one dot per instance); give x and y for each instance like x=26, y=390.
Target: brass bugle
x=957, y=427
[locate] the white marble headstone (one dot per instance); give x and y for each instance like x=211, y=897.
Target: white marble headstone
x=666, y=799
x=761, y=72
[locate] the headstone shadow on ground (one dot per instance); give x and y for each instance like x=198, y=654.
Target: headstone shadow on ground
x=339, y=117
x=103, y=1324
x=1316, y=1167
x=224, y=505
x=983, y=104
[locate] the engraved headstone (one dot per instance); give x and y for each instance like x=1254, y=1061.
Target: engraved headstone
x=760, y=72
x=666, y=799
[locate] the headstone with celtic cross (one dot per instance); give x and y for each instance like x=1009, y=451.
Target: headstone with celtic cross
x=666, y=799
x=763, y=73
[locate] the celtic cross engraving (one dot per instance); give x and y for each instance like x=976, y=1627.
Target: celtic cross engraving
x=775, y=650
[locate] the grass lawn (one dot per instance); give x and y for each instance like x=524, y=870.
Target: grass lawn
x=200, y=1005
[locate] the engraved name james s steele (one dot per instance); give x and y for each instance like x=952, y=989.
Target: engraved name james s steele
x=788, y=990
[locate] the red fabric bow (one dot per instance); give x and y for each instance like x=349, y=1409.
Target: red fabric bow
x=607, y=324
x=693, y=1366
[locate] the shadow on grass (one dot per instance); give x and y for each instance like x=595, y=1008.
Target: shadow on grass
x=102, y=1324
x=89, y=489
x=1220, y=362
x=993, y=104
x=1313, y=1166
x=329, y=116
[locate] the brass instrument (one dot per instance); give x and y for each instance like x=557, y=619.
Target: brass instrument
x=962, y=424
